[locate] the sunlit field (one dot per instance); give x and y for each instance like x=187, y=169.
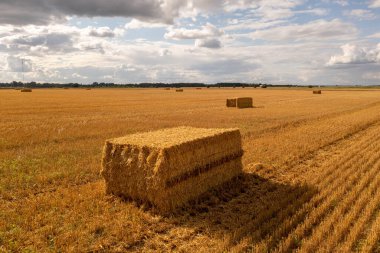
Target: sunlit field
x=311, y=178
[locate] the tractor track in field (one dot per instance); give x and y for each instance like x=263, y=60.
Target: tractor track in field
x=291, y=168
x=332, y=145
x=297, y=123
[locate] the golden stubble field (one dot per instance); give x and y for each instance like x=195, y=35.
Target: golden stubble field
x=311, y=180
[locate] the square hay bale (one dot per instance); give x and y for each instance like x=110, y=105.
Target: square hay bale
x=167, y=88
x=169, y=167
x=26, y=90
x=317, y=92
x=231, y=102
x=245, y=102
x=179, y=90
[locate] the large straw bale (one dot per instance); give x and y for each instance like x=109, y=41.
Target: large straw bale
x=169, y=167
x=317, y=92
x=179, y=90
x=26, y=90
x=245, y=102
x=231, y=102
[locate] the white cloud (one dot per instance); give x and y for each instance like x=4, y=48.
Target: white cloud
x=35, y=39
x=315, y=30
x=78, y=76
x=164, y=52
x=352, y=54
x=206, y=31
x=56, y=39
x=374, y=36
x=137, y=24
x=105, y=32
x=340, y=2
x=316, y=11
x=371, y=76
x=252, y=24
x=361, y=14
x=375, y=4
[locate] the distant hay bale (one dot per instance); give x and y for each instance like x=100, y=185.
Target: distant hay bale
x=179, y=90
x=170, y=167
x=263, y=86
x=26, y=90
x=245, y=102
x=167, y=88
x=88, y=89
x=317, y=92
x=231, y=102
x=198, y=88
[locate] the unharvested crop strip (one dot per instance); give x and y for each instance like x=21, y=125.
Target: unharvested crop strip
x=202, y=169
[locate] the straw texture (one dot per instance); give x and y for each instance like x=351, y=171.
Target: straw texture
x=169, y=167
x=231, y=102
x=244, y=102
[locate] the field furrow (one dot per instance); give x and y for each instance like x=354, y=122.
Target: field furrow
x=360, y=224
x=370, y=243
x=345, y=179
x=330, y=179
x=333, y=225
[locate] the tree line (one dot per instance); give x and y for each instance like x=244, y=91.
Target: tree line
x=16, y=84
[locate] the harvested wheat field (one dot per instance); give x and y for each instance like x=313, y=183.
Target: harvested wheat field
x=310, y=182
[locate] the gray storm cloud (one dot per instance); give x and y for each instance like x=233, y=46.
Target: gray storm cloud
x=20, y=12
x=40, y=12
x=208, y=43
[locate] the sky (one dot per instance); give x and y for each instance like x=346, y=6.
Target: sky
x=328, y=42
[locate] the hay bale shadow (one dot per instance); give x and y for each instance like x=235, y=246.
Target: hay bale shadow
x=248, y=207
